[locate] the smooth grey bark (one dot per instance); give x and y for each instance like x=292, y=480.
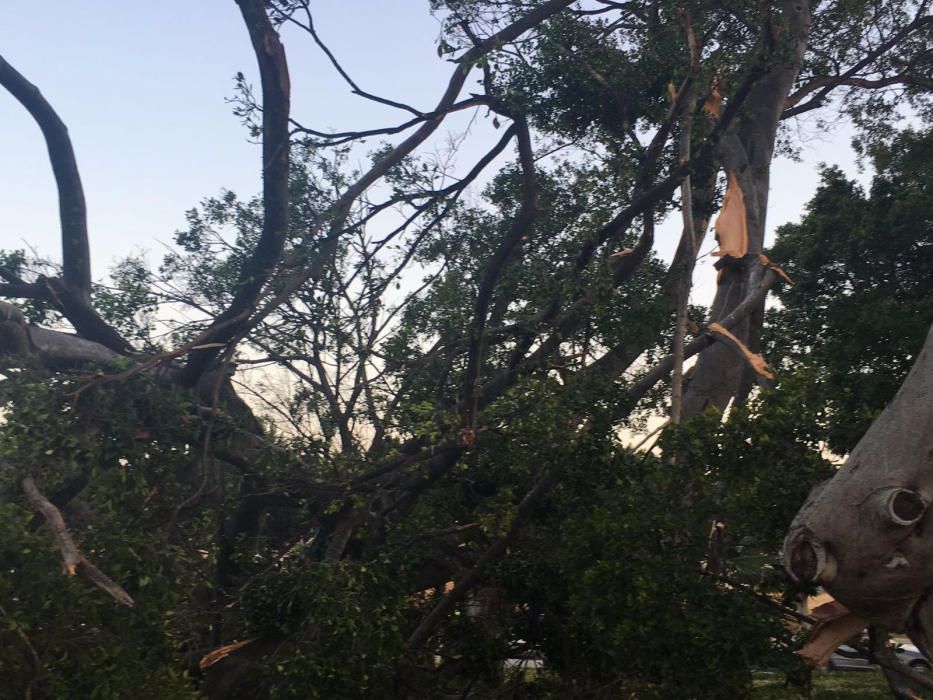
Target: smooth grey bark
x=867, y=534
x=747, y=149
x=20, y=342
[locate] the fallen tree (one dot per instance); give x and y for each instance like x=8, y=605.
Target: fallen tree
x=449, y=476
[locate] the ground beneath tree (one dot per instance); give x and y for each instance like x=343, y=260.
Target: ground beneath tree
x=827, y=685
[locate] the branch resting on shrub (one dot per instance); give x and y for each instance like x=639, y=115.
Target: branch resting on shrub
x=76, y=564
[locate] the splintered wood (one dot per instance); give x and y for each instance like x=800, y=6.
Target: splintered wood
x=221, y=653
x=731, y=224
x=777, y=269
x=754, y=360
x=826, y=639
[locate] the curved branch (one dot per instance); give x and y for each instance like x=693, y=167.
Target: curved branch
x=824, y=84
x=76, y=257
x=273, y=70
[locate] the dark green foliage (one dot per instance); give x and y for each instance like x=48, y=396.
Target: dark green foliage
x=19, y=265
x=60, y=635
x=863, y=301
x=345, y=627
x=605, y=584
x=614, y=568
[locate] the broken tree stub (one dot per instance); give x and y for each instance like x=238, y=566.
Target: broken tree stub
x=866, y=535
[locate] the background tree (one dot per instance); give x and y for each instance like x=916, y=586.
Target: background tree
x=859, y=311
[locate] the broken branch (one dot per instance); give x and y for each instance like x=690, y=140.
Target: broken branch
x=76, y=564
x=754, y=360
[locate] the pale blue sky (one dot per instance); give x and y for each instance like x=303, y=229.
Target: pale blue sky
x=142, y=85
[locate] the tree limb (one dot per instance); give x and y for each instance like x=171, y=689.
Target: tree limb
x=440, y=611
x=824, y=84
x=273, y=70
x=701, y=342
x=76, y=257
x=72, y=293
x=311, y=265
x=76, y=564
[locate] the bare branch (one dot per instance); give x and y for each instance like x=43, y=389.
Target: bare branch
x=494, y=267
x=823, y=85
x=688, y=239
x=76, y=256
x=273, y=70
x=309, y=27
x=73, y=292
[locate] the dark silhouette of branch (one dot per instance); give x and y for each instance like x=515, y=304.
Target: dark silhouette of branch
x=340, y=137
x=310, y=265
x=426, y=628
x=518, y=231
x=309, y=27
x=76, y=257
x=824, y=84
x=273, y=70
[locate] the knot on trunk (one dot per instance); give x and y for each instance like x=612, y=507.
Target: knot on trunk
x=897, y=507
x=807, y=559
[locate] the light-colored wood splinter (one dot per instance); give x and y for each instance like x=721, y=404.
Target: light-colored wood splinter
x=778, y=270
x=222, y=652
x=731, y=224
x=754, y=360
x=826, y=639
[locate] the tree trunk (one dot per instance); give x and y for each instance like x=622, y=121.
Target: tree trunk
x=866, y=534
x=746, y=150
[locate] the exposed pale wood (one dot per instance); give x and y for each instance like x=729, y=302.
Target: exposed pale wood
x=826, y=639
x=745, y=153
x=213, y=657
x=732, y=222
x=754, y=360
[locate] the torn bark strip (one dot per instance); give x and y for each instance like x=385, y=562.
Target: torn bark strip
x=222, y=652
x=76, y=564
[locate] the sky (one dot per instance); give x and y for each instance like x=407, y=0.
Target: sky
x=142, y=87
